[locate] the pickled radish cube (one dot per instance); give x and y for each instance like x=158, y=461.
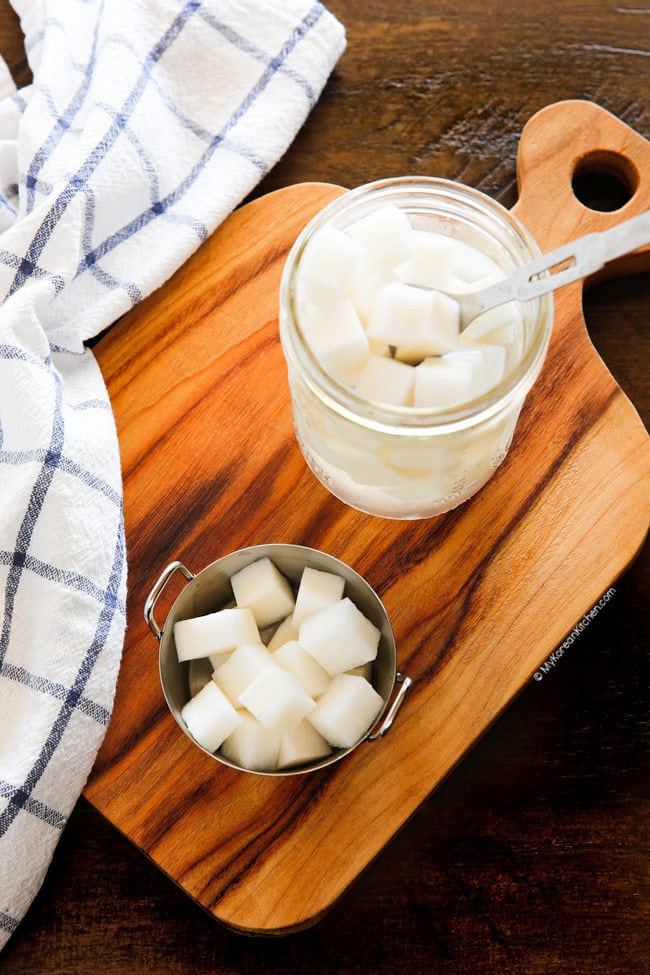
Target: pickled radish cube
x=216, y=659
x=252, y=746
x=385, y=235
x=338, y=340
x=292, y=658
x=263, y=589
x=494, y=363
x=339, y=637
x=285, y=632
x=346, y=710
x=487, y=362
x=472, y=266
x=210, y=717
x=301, y=746
x=277, y=699
x=490, y=321
x=403, y=316
x=365, y=284
x=431, y=263
x=511, y=339
x=327, y=265
x=386, y=381
x=223, y=630
x=317, y=590
x=241, y=668
x=441, y=382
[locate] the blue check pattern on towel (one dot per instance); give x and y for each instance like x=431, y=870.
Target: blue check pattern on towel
x=146, y=124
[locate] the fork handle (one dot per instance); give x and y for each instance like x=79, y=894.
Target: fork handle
x=574, y=260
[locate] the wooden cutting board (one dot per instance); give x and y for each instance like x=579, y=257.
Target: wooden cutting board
x=478, y=598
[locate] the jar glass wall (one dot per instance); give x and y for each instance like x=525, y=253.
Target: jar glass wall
x=405, y=461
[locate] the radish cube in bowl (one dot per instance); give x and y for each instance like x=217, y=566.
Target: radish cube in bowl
x=277, y=699
x=252, y=746
x=210, y=717
x=346, y=710
x=339, y=637
x=263, y=589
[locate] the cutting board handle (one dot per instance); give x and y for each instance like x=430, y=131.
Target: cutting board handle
x=569, y=139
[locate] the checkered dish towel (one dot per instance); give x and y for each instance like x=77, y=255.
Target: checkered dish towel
x=146, y=124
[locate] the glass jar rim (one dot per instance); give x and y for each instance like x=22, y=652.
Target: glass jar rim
x=414, y=420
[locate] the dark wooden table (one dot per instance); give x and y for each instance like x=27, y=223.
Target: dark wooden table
x=532, y=857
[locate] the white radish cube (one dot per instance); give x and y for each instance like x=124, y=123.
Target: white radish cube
x=339, y=637
x=277, y=699
x=441, y=382
x=216, y=659
x=241, y=668
x=490, y=321
x=292, y=658
x=210, y=717
x=494, y=363
x=346, y=710
x=317, y=590
x=472, y=266
x=223, y=630
x=412, y=318
x=252, y=746
x=386, y=381
x=365, y=284
x=301, y=746
x=431, y=263
x=385, y=235
x=487, y=362
x=262, y=588
x=338, y=340
x=285, y=632
x=327, y=265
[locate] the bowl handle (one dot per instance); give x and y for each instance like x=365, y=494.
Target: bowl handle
x=394, y=708
x=155, y=593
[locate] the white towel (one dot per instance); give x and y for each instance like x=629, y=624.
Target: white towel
x=147, y=122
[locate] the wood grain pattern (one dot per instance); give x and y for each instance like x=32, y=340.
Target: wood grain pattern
x=531, y=857
x=478, y=598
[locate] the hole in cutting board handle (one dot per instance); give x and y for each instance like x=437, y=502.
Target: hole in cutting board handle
x=604, y=180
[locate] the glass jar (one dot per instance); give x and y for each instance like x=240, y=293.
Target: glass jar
x=402, y=461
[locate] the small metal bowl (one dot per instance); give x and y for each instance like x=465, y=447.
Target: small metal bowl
x=210, y=590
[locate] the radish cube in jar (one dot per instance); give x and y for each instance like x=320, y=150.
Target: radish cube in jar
x=406, y=316
x=328, y=265
x=386, y=237
x=386, y=381
x=338, y=339
x=442, y=382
